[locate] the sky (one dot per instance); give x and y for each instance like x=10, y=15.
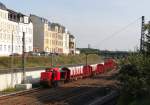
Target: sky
x=104, y=24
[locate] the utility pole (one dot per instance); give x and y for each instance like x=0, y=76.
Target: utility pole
x=12, y=58
x=142, y=35
x=12, y=49
x=86, y=58
x=89, y=46
x=23, y=58
x=51, y=59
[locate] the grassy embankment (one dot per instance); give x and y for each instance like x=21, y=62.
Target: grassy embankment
x=43, y=61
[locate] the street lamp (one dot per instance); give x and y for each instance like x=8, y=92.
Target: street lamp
x=12, y=49
x=12, y=57
x=86, y=59
x=86, y=54
x=23, y=58
x=51, y=59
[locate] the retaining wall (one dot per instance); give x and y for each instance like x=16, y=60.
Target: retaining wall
x=9, y=79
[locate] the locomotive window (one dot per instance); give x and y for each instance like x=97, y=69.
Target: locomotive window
x=63, y=75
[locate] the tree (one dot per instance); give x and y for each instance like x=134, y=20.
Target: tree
x=147, y=38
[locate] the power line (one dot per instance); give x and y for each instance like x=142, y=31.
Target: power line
x=117, y=32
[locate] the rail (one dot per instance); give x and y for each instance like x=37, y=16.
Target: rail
x=109, y=99
x=20, y=93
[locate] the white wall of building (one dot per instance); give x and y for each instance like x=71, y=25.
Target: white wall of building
x=28, y=29
x=77, y=51
x=10, y=28
x=7, y=29
x=66, y=43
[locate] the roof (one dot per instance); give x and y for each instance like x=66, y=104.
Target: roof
x=2, y=6
x=71, y=36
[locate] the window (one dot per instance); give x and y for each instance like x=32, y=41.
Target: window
x=30, y=48
x=16, y=49
x=0, y=35
x=0, y=47
x=19, y=48
x=47, y=41
x=30, y=40
x=9, y=38
x=5, y=48
x=15, y=17
x=9, y=48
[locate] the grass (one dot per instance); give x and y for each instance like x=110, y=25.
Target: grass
x=42, y=61
x=11, y=90
x=8, y=90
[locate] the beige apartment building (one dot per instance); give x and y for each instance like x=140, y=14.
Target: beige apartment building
x=57, y=38
x=47, y=36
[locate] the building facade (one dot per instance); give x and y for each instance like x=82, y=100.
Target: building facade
x=12, y=26
x=57, y=38
x=48, y=37
x=66, y=42
x=7, y=30
x=72, y=44
x=40, y=34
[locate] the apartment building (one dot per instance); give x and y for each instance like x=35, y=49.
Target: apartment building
x=12, y=26
x=57, y=38
x=72, y=44
x=47, y=37
x=66, y=42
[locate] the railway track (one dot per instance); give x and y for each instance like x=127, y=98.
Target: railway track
x=52, y=97
x=59, y=95
x=74, y=93
x=73, y=96
x=21, y=93
x=109, y=99
x=79, y=99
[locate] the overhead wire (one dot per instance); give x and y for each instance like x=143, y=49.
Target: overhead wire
x=116, y=32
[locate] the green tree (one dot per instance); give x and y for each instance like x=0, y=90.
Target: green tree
x=134, y=77
x=147, y=39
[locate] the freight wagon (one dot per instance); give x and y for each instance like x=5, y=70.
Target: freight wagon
x=52, y=76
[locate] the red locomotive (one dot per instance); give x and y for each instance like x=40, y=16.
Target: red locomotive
x=52, y=76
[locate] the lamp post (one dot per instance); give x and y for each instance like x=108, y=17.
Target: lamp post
x=51, y=59
x=12, y=49
x=86, y=60
x=86, y=55
x=23, y=58
x=12, y=57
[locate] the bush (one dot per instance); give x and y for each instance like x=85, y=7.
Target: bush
x=134, y=77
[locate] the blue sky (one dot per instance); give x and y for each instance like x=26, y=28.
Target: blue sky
x=91, y=21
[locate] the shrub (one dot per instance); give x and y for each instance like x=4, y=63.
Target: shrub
x=134, y=77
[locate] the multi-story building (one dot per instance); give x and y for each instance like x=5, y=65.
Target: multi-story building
x=48, y=37
x=23, y=25
x=72, y=44
x=66, y=42
x=12, y=26
x=57, y=37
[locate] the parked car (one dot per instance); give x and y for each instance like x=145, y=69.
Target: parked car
x=34, y=54
x=15, y=54
x=44, y=53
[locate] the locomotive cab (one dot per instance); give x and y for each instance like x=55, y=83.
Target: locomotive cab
x=50, y=77
x=65, y=74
